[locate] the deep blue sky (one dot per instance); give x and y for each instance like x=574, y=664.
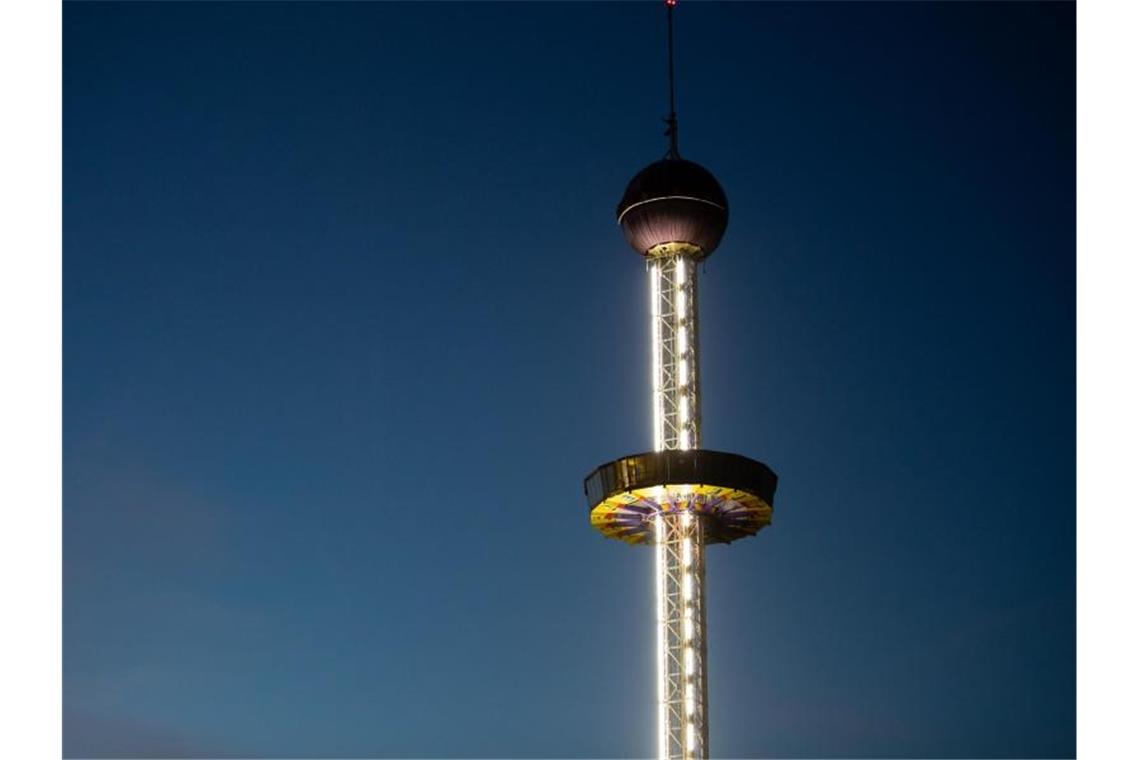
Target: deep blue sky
x=347, y=318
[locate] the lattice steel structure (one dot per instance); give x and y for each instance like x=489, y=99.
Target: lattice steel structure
x=683, y=730
x=678, y=498
x=676, y=389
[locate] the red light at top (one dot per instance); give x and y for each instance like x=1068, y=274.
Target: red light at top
x=670, y=3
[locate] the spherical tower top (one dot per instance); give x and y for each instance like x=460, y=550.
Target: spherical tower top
x=673, y=206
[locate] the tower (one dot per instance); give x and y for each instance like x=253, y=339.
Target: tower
x=678, y=498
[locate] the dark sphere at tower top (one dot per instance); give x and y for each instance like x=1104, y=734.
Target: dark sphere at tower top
x=673, y=201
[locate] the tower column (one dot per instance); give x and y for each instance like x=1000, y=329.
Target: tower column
x=676, y=375
x=681, y=650
x=678, y=533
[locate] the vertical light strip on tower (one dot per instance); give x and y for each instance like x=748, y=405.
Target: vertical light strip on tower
x=679, y=498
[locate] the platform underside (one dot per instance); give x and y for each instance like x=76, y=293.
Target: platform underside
x=729, y=512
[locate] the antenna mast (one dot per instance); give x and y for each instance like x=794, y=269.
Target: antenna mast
x=671, y=119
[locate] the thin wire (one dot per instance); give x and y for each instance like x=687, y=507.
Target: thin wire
x=671, y=120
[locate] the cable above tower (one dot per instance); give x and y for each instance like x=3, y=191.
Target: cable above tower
x=671, y=119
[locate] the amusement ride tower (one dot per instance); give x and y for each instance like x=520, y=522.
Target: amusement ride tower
x=679, y=498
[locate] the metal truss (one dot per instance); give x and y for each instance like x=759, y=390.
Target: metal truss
x=681, y=650
x=676, y=384
x=682, y=692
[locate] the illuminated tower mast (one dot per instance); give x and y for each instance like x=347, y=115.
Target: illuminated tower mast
x=679, y=498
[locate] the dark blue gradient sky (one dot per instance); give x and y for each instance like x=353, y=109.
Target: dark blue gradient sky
x=347, y=319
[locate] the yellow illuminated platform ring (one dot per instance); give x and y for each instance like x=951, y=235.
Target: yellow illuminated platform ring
x=734, y=494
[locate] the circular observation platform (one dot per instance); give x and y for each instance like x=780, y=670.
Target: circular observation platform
x=734, y=494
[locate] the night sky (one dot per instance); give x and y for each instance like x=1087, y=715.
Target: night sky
x=347, y=319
